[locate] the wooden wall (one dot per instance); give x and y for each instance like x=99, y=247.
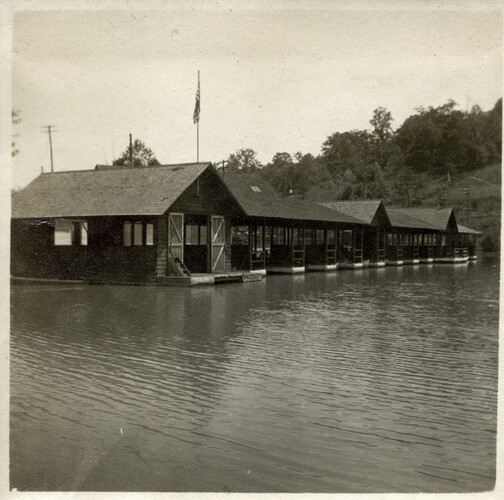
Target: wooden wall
x=34, y=255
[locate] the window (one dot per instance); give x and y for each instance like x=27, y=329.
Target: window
x=192, y=234
x=195, y=235
x=256, y=189
x=203, y=235
x=83, y=232
x=149, y=234
x=63, y=232
x=127, y=234
x=138, y=233
x=69, y=232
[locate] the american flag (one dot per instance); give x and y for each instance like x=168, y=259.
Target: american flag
x=197, y=105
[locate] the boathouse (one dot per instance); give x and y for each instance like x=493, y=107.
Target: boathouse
x=368, y=245
x=188, y=224
x=284, y=235
x=124, y=224
x=410, y=240
x=468, y=239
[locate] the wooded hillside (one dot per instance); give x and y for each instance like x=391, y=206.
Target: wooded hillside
x=437, y=156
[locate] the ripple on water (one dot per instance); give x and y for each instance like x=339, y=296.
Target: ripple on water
x=383, y=380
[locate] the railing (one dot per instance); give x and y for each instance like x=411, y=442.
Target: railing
x=457, y=252
x=331, y=256
x=357, y=255
x=461, y=252
x=258, y=259
x=298, y=256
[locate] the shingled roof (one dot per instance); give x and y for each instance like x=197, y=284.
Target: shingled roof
x=117, y=191
x=442, y=218
x=259, y=199
x=368, y=211
x=467, y=230
x=399, y=218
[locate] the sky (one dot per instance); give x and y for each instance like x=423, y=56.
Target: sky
x=274, y=80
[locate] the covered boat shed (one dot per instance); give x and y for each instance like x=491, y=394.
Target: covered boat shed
x=187, y=224
x=369, y=245
x=283, y=235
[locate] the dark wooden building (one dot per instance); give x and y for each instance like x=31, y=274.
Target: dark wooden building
x=426, y=235
x=283, y=235
x=123, y=224
x=367, y=243
x=186, y=224
x=468, y=240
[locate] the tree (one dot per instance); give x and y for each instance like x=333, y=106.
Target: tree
x=244, y=160
x=305, y=172
x=435, y=138
x=342, y=151
x=381, y=136
x=279, y=173
x=142, y=156
x=492, y=131
x=16, y=119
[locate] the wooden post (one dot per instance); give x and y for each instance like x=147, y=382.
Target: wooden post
x=250, y=245
x=303, y=240
x=377, y=243
x=292, y=245
x=264, y=243
x=335, y=243
x=326, y=242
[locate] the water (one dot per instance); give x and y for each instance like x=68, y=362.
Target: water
x=378, y=380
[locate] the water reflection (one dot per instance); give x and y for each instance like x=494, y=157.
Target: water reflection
x=354, y=381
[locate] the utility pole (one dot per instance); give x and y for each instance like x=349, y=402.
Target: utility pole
x=131, y=151
x=223, y=167
x=47, y=129
x=466, y=192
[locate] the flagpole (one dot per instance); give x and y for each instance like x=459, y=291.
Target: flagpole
x=197, y=125
x=196, y=118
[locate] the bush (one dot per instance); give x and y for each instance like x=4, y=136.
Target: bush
x=490, y=243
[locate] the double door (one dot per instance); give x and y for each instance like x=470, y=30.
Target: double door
x=216, y=243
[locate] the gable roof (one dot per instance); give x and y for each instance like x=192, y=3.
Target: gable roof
x=400, y=218
x=259, y=199
x=367, y=211
x=423, y=218
x=442, y=218
x=114, y=191
x=467, y=230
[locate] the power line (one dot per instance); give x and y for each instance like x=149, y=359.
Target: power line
x=481, y=180
x=47, y=129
